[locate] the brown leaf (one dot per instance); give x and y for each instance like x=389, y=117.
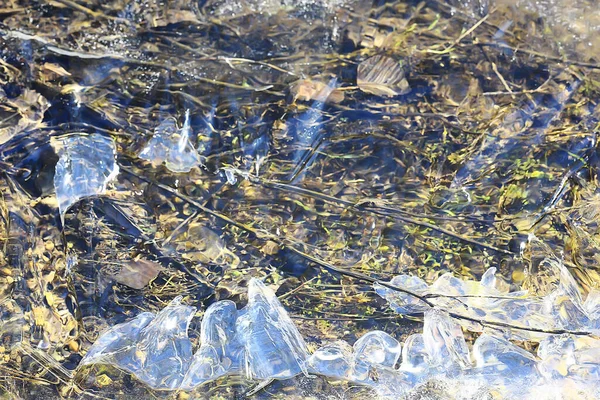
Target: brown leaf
x=382, y=76
x=30, y=106
x=307, y=89
x=137, y=273
x=52, y=71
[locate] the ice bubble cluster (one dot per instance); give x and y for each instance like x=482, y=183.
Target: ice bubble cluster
x=261, y=342
x=86, y=164
x=560, y=308
x=172, y=146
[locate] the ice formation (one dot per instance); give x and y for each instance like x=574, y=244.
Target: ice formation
x=261, y=342
x=561, y=308
x=172, y=146
x=86, y=164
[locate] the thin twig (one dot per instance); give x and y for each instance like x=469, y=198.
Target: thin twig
x=264, y=236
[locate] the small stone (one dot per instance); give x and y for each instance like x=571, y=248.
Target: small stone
x=74, y=346
x=49, y=245
x=270, y=248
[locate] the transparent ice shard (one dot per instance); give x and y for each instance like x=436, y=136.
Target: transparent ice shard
x=445, y=342
x=558, y=355
x=558, y=307
x=333, y=359
x=567, y=357
x=497, y=356
x=156, y=350
x=172, y=146
x=374, y=348
x=415, y=357
x=159, y=146
x=488, y=279
x=86, y=165
x=164, y=350
x=274, y=348
x=220, y=352
x=592, y=308
x=114, y=346
x=449, y=284
x=404, y=303
x=592, y=304
x=564, y=303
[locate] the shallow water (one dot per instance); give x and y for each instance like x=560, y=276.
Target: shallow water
x=483, y=137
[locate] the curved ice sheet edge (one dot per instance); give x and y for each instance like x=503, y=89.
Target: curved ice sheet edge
x=261, y=342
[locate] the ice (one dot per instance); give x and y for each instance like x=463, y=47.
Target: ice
x=488, y=279
x=592, y=306
x=497, y=356
x=261, y=342
x=172, y=146
x=570, y=357
x=559, y=306
x=219, y=352
x=445, y=342
x=415, y=357
x=401, y=302
x=112, y=347
x=333, y=360
x=85, y=167
x=164, y=350
x=156, y=350
x=274, y=347
x=375, y=348
x=450, y=285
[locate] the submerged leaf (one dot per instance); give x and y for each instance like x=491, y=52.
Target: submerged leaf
x=138, y=273
x=382, y=76
x=307, y=90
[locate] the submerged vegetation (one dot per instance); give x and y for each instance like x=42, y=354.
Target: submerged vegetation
x=328, y=146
